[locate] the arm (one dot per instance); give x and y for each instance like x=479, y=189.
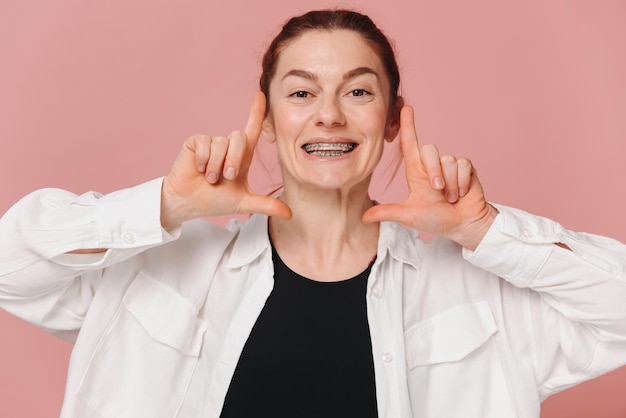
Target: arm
x=575, y=315
x=575, y=311
x=43, y=284
x=55, y=244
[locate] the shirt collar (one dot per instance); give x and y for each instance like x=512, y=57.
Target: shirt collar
x=394, y=239
x=251, y=242
x=399, y=242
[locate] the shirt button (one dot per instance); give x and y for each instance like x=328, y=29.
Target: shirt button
x=527, y=233
x=377, y=292
x=129, y=238
x=387, y=357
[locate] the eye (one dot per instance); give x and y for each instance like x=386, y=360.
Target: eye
x=359, y=92
x=301, y=94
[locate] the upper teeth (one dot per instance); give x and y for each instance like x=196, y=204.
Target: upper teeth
x=342, y=147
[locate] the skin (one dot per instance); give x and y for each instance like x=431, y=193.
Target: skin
x=325, y=215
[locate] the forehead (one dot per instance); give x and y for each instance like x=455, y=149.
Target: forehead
x=326, y=51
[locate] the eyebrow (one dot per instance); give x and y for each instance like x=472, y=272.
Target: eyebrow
x=359, y=71
x=350, y=74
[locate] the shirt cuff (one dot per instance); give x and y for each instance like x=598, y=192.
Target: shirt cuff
x=126, y=222
x=131, y=218
x=516, y=246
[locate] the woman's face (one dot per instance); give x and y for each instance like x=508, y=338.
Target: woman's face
x=328, y=110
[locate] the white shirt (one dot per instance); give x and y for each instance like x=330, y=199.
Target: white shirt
x=163, y=318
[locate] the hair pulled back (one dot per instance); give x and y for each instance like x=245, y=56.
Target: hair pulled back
x=334, y=20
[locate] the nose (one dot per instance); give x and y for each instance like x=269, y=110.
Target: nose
x=329, y=112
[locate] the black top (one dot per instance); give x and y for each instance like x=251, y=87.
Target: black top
x=309, y=353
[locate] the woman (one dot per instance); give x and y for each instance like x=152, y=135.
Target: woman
x=321, y=304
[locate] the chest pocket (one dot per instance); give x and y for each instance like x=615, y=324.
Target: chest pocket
x=450, y=335
x=145, y=359
x=454, y=368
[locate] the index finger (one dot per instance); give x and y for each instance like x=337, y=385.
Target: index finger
x=255, y=119
x=408, y=135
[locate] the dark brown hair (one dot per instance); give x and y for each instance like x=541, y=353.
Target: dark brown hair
x=335, y=20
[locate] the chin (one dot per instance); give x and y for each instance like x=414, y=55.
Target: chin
x=331, y=182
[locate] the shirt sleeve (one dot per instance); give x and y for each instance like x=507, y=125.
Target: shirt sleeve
x=576, y=309
x=43, y=284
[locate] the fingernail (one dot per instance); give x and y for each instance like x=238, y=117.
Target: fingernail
x=230, y=173
x=452, y=197
x=212, y=177
x=438, y=183
x=462, y=192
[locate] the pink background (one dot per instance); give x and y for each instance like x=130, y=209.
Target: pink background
x=99, y=95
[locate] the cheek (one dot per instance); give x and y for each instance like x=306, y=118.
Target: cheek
x=289, y=124
x=374, y=126
x=372, y=116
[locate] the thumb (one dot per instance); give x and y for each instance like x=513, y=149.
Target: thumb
x=385, y=212
x=267, y=205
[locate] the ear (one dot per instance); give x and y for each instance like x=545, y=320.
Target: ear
x=392, y=131
x=393, y=124
x=269, y=133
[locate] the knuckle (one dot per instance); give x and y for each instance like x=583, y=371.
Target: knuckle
x=448, y=159
x=430, y=155
x=219, y=140
x=430, y=148
x=219, y=144
x=465, y=164
x=237, y=135
x=196, y=139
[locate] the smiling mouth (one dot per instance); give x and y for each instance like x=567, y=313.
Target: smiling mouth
x=329, y=149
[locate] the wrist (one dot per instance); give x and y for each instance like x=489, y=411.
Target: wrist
x=172, y=208
x=471, y=234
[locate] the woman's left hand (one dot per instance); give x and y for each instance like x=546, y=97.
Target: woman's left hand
x=445, y=195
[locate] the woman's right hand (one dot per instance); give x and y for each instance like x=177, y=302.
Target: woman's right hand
x=210, y=176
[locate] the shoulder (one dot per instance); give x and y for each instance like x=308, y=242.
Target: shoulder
x=205, y=239
x=408, y=245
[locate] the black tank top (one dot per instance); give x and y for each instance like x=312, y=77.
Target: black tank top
x=309, y=353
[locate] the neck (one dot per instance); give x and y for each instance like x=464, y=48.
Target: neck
x=325, y=231
x=334, y=212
